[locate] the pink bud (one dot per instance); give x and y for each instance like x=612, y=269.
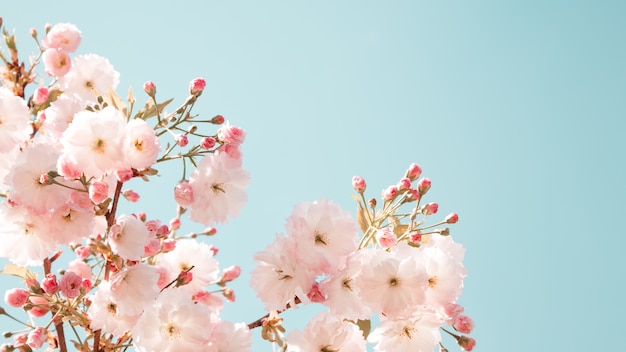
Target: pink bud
x=315, y=295
x=98, y=191
x=149, y=88
x=131, y=195
x=230, y=274
x=390, y=193
x=124, y=175
x=413, y=172
x=44, y=179
x=182, y=140
x=41, y=95
x=358, y=183
x=413, y=195
x=467, y=343
x=452, y=218
x=196, y=86
x=213, y=249
x=229, y=294
x=19, y=340
x=209, y=231
x=142, y=216
x=82, y=252
x=16, y=297
x=152, y=248
x=386, y=238
x=86, y=285
x=453, y=311
x=37, y=337
x=162, y=231
x=183, y=194
x=430, y=208
x=49, y=284
x=184, y=278
x=168, y=245
x=207, y=143
x=416, y=237
x=464, y=324
x=175, y=224
x=217, y=120
x=403, y=184
x=40, y=306
x=67, y=166
x=423, y=185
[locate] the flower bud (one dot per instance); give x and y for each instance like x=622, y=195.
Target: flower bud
x=207, y=143
x=467, y=343
x=423, y=186
x=430, y=208
x=372, y=203
x=124, y=175
x=230, y=274
x=463, y=324
x=358, y=183
x=16, y=297
x=403, y=184
x=444, y=231
x=150, y=88
x=142, y=216
x=229, y=294
x=196, y=86
x=168, y=245
x=390, y=193
x=82, y=252
x=217, y=120
x=452, y=218
x=41, y=95
x=413, y=172
x=131, y=195
x=315, y=295
x=182, y=140
x=33, y=32
x=416, y=237
x=183, y=194
x=49, y=284
x=175, y=224
x=192, y=129
x=37, y=337
x=98, y=191
x=209, y=231
x=386, y=238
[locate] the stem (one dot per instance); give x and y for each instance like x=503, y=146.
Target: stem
x=58, y=323
x=259, y=322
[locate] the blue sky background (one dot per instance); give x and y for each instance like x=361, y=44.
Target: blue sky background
x=515, y=110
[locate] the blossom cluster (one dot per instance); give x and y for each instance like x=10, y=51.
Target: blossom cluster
x=408, y=275
x=67, y=154
x=69, y=149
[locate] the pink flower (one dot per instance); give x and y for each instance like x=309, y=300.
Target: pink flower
x=228, y=134
x=231, y=337
x=188, y=254
x=70, y=284
x=90, y=75
x=141, y=145
x=134, y=288
x=50, y=285
x=464, y=324
x=18, y=340
x=207, y=143
x=417, y=332
x=413, y=172
x=98, y=191
x=168, y=245
x=41, y=95
x=37, y=337
x=358, y=183
x=63, y=36
x=386, y=238
x=56, y=62
x=128, y=237
x=175, y=224
x=196, y=86
x=124, y=175
x=82, y=252
x=15, y=128
x=315, y=295
x=326, y=332
x=16, y=297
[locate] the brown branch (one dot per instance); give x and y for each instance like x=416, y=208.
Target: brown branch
x=259, y=322
x=58, y=323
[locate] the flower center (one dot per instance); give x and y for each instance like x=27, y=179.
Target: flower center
x=432, y=281
x=346, y=283
x=172, y=331
x=99, y=146
x=394, y=281
x=320, y=238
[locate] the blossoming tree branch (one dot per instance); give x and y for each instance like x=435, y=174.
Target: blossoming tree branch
x=69, y=144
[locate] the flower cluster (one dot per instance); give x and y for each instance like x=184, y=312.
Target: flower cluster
x=408, y=274
x=69, y=150
x=67, y=155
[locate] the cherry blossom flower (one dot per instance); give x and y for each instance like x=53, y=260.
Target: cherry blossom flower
x=218, y=185
x=56, y=62
x=134, y=287
x=174, y=323
x=229, y=134
x=188, y=254
x=129, y=237
x=230, y=337
x=277, y=278
x=141, y=145
x=37, y=337
x=93, y=141
x=15, y=126
x=419, y=332
x=326, y=332
x=90, y=75
x=445, y=277
x=104, y=313
x=324, y=235
x=25, y=235
x=63, y=36
x=16, y=297
x=70, y=284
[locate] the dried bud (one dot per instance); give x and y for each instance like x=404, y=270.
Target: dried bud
x=192, y=129
x=444, y=232
x=33, y=32
x=229, y=294
x=372, y=203
x=358, y=183
x=150, y=88
x=452, y=218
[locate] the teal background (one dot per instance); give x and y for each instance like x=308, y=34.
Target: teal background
x=514, y=109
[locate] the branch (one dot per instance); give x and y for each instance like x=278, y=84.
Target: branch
x=259, y=322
